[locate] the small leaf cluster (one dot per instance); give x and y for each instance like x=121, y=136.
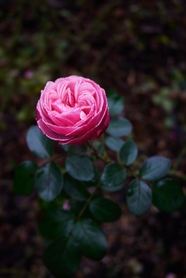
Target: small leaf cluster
x=74, y=230
x=72, y=195
x=149, y=184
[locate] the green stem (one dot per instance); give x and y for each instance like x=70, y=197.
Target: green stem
x=55, y=157
x=131, y=172
x=106, y=159
x=178, y=160
x=87, y=203
x=177, y=174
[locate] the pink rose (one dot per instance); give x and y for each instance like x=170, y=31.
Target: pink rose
x=72, y=110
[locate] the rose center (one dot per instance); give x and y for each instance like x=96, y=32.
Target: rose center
x=69, y=98
x=73, y=105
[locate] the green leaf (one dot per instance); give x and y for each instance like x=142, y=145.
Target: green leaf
x=80, y=167
x=139, y=197
x=113, y=177
x=24, y=178
x=105, y=210
x=119, y=127
x=56, y=222
x=92, y=242
x=167, y=195
x=62, y=257
x=95, y=179
x=38, y=143
x=114, y=143
x=75, y=189
x=116, y=103
x=49, y=181
x=155, y=168
x=128, y=152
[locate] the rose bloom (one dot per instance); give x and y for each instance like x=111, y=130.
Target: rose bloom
x=72, y=110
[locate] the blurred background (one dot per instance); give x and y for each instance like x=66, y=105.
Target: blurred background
x=137, y=48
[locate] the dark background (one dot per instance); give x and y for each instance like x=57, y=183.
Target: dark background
x=139, y=49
